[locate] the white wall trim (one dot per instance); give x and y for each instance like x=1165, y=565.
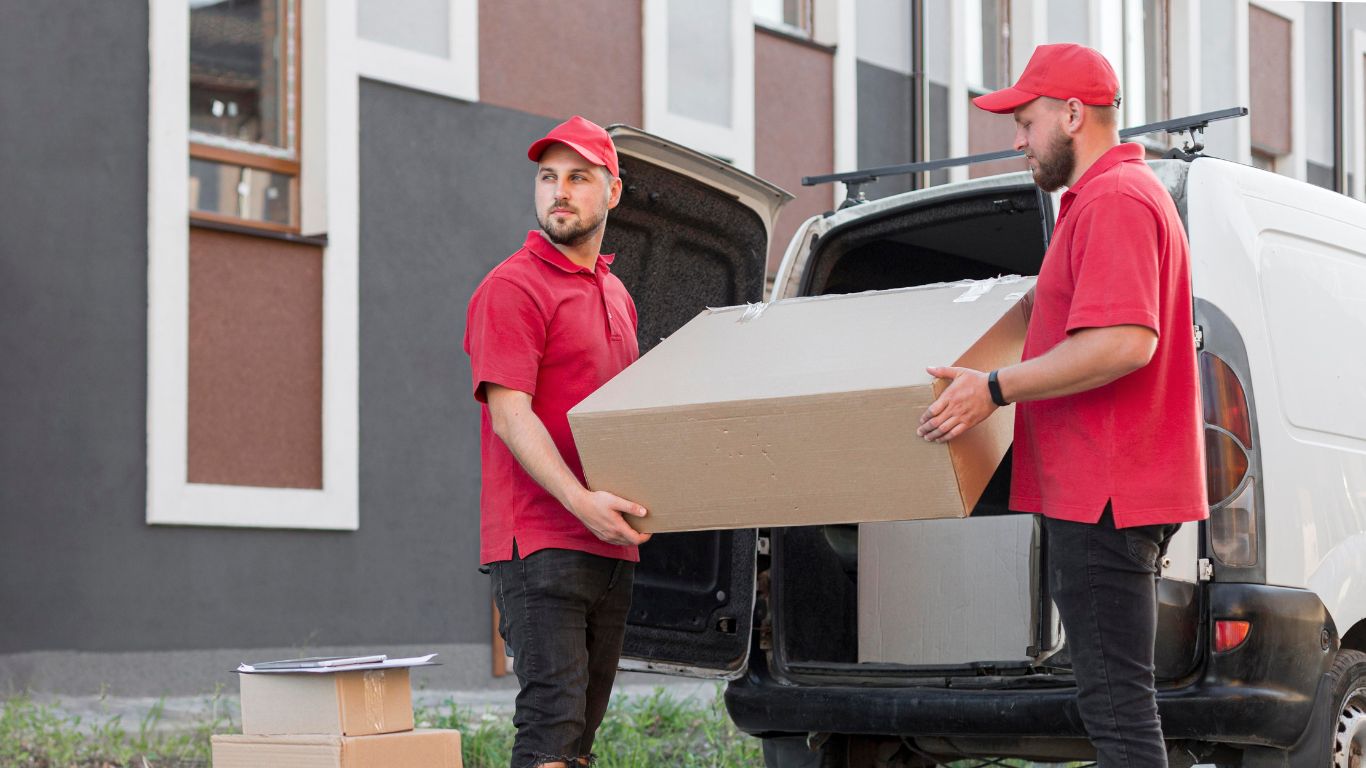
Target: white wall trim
x=960, y=32
x=1028, y=30
x=734, y=143
x=1184, y=58
x=330, y=142
x=846, y=95
x=456, y=76
x=1357, y=129
x=1241, y=62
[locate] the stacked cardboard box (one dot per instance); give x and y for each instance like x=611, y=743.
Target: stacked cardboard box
x=346, y=719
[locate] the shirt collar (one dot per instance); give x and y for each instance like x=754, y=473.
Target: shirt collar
x=543, y=248
x=1113, y=156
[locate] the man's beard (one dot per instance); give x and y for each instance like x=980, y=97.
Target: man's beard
x=1057, y=164
x=568, y=232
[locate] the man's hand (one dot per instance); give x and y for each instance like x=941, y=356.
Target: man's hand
x=965, y=404
x=601, y=513
x=518, y=426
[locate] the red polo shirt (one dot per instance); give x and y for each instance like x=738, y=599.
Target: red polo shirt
x=1119, y=256
x=543, y=325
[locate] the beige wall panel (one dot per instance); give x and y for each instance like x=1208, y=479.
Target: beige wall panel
x=1269, y=41
x=255, y=389
x=794, y=128
x=562, y=59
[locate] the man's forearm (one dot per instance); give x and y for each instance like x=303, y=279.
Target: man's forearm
x=1085, y=360
x=526, y=437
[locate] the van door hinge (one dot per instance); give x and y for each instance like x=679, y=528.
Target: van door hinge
x=1199, y=337
x=1205, y=569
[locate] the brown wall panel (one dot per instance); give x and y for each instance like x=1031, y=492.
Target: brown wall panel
x=1269, y=38
x=560, y=59
x=794, y=127
x=255, y=380
x=990, y=132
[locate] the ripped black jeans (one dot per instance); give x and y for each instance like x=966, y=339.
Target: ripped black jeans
x=1104, y=582
x=562, y=615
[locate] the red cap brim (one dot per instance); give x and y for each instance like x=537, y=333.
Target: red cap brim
x=537, y=148
x=1004, y=101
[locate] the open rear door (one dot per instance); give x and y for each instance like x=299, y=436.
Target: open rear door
x=691, y=232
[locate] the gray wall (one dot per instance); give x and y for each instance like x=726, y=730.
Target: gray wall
x=884, y=126
x=445, y=193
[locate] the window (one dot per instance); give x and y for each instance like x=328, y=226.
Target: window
x=699, y=76
x=291, y=58
x=430, y=45
x=244, y=112
x=794, y=16
x=988, y=44
x=1271, y=109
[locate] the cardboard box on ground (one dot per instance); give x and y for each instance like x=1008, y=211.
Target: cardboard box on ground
x=361, y=718
x=804, y=411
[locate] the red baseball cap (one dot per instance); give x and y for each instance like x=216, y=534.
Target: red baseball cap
x=1061, y=71
x=583, y=136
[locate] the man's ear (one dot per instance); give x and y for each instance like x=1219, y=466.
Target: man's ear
x=614, y=193
x=1075, y=116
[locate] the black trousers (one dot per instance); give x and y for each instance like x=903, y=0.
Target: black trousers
x=563, y=617
x=1104, y=582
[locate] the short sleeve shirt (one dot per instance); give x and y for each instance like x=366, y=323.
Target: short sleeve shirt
x=543, y=325
x=1119, y=256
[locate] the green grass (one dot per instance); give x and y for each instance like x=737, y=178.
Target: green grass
x=34, y=736
x=656, y=729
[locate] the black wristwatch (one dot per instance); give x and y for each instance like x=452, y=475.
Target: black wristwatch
x=994, y=387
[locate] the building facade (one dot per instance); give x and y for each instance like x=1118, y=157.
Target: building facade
x=238, y=236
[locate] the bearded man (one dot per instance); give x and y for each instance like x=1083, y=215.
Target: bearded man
x=1108, y=429
x=544, y=329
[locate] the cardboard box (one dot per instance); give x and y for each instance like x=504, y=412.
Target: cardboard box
x=353, y=703
x=804, y=411
x=412, y=749
x=943, y=592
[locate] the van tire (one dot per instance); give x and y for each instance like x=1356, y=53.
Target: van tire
x=1348, y=747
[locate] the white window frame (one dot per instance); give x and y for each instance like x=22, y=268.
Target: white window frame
x=329, y=185
x=455, y=75
x=1358, y=122
x=736, y=143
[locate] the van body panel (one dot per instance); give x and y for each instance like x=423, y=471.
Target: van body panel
x=1286, y=262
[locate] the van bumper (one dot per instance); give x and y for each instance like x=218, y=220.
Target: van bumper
x=1260, y=693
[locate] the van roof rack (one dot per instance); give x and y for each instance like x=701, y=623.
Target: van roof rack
x=1193, y=124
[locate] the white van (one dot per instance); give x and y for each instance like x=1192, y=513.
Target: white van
x=1261, y=653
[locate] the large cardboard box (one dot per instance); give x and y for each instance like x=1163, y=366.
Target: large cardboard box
x=804, y=411
x=412, y=749
x=353, y=703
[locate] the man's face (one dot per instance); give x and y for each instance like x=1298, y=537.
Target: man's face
x=1039, y=134
x=572, y=195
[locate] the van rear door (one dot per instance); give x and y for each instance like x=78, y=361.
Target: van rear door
x=690, y=232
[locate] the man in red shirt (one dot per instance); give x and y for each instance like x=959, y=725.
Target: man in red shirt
x=544, y=330
x=1108, y=428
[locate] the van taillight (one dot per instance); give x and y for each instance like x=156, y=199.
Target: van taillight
x=1231, y=490
x=1229, y=634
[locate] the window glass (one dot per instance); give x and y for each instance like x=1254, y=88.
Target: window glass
x=421, y=26
x=988, y=44
x=241, y=72
x=240, y=192
x=792, y=14
x=700, y=60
